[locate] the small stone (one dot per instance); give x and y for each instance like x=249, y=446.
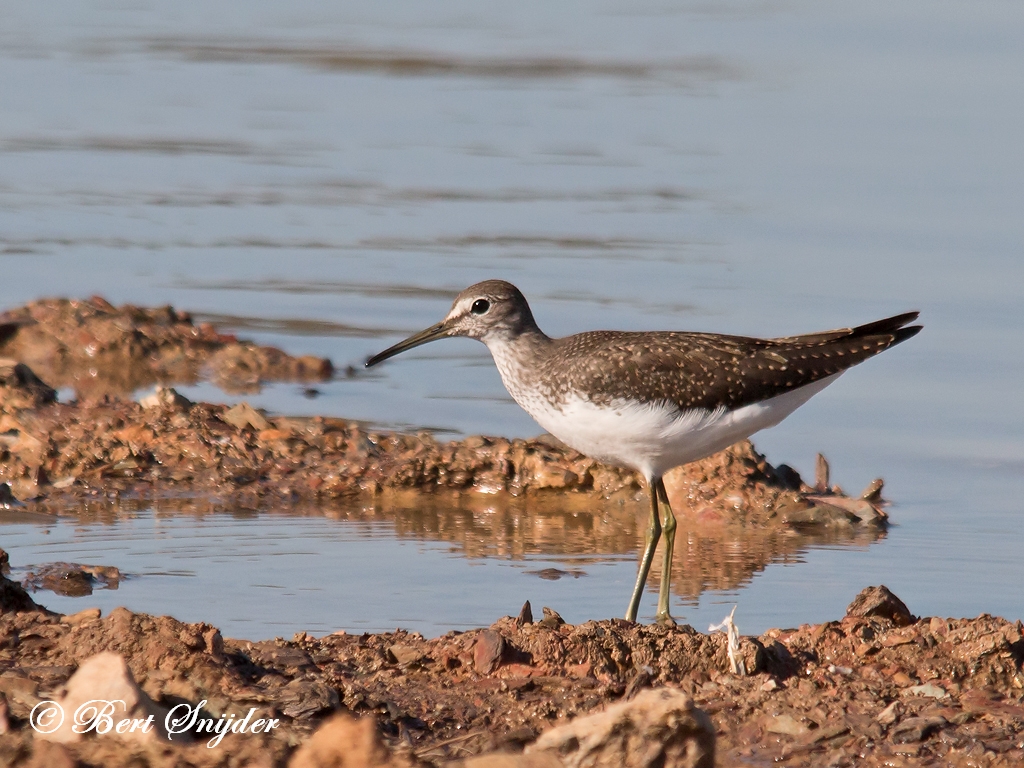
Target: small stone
x=487, y=651
x=525, y=615
x=879, y=601
x=826, y=732
x=552, y=619
x=14, y=598
x=873, y=493
x=642, y=679
x=833, y=509
x=7, y=499
x=69, y=583
x=889, y=715
x=821, y=473
x=73, y=579
x=26, y=489
x=893, y=640
x=902, y=679
x=406, y=654
x=928, y=689
x=272, y=434
x=305, y=698
x=20, y=388
x=938, y=627
x=214, y=642
x=106, y=677
x=786, y=725
x=344, y=741
x=165, y=397
x=89, y=614
x=550, y=574
x=819, y=513
x=865, y=649
x=915, y=729
x=658, y=727
x=244, y=415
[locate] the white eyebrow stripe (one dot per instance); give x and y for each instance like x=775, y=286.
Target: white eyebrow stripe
x=461, y=307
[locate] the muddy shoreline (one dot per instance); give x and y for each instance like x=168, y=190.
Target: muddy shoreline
x=876, y=687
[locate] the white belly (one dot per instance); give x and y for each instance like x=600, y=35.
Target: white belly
x=653, y=439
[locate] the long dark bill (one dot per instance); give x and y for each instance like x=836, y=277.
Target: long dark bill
x=438, y=331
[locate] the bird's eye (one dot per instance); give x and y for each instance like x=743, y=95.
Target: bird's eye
x=480, y=307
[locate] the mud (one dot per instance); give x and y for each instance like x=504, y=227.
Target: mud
x=862, y=690
x=99, y=349
x=71, y=579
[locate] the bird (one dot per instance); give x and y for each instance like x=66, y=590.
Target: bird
x=652, y=400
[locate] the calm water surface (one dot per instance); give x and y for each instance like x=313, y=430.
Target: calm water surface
x=325, y=177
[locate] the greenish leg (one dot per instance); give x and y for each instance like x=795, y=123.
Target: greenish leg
x=668, y=525
x=650, y=543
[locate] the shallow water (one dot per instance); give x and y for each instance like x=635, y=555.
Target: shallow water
x=437, y=565
x=325, y=178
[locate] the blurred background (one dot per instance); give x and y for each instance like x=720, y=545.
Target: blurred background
x=326, y=176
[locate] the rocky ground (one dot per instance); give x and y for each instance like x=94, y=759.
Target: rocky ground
x=97, y=349
x=876, y=687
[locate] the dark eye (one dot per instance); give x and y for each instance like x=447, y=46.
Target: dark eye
x=480, y=306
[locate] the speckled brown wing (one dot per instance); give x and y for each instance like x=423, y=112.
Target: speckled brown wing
x=697, y=370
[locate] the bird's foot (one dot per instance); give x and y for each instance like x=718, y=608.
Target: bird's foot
x=663, y=619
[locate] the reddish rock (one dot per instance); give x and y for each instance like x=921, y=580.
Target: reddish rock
x=487, y=651
x=344, y=742
x=879, y=601
x=104, y=692
x=658, y=727
x=14, y=598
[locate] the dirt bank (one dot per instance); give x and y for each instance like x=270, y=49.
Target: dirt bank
x=99, y=349
x=877, y=687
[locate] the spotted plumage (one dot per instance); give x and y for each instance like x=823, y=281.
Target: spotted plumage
x=652, y=400
x=701, y=370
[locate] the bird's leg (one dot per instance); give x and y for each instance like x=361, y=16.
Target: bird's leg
x=650, y=543
x=668, y=525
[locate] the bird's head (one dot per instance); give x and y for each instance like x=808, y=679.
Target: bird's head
x=491, y=310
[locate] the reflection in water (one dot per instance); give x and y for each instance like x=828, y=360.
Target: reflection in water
x=707, y=556
x=319, y=193
x=293, y=326
x=565, y=529
x=400, y=63
x=159, y=146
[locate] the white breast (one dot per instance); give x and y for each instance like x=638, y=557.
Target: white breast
x=650, y=438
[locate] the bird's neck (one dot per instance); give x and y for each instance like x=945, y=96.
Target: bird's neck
x=519, y=357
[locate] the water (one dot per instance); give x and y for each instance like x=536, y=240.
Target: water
x=325, y=178
x=431, y=565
